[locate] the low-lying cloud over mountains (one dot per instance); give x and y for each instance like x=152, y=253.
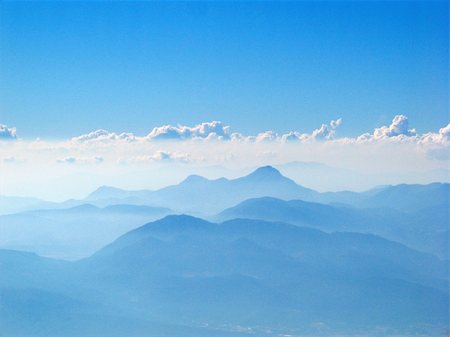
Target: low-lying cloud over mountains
x=397, y=152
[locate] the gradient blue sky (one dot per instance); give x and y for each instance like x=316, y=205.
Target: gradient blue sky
x=71, y=67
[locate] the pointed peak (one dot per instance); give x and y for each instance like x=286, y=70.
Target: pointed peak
x=266, y=172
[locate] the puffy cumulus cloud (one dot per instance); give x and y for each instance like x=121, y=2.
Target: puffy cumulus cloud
x=325, y=132
x=399, y=130
x=266, y=136
x=104, y=135
x=214, y=130
x=207, y=130
x=291, y=136
x=437, y=145
x=7, y=133
x=441, y=137
x=399, y=127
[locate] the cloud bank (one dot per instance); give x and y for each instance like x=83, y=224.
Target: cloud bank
x=105, y=157
x=398, y=131
x=213, y=143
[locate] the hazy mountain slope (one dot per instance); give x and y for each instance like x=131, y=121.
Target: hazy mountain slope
x=248, y=272
x=10, y=204
x=183, y=276
x=75, y=232
x=410, y=197
x=425, y=229
x=198, y=195
x=69, y=235
x=42, y=297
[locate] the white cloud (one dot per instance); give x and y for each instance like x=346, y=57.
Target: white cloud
x=266, y=136
x=101, y=154
x=218, y=146
x=335, y=123
x=436, y=145
x=398, y=127
x=214, y=130
x=442, y=137
x=325, y=132
x=207, y=130
x=104, y=135
x=291, y=136
x=7, y=133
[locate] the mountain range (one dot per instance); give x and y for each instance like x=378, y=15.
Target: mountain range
x=415, y=215
x=198, y=195
x=184, y=276
x=425, y=229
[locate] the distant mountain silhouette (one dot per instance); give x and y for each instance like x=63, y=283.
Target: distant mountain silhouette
x=410, y=197
x=74, y=232
x=10, y=204
x=425, y=229
x=198, y=195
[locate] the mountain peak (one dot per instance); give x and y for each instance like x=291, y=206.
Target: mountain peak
x=106, y=188
x=105, y=192
x=266, y=172
x=173, y=222
x=194, y=178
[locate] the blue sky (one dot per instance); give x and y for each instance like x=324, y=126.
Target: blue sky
x=69, y=67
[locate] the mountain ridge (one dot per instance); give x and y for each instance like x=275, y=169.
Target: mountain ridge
x=268, y=181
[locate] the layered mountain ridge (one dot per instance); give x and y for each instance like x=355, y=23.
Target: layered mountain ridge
x=187, y=275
